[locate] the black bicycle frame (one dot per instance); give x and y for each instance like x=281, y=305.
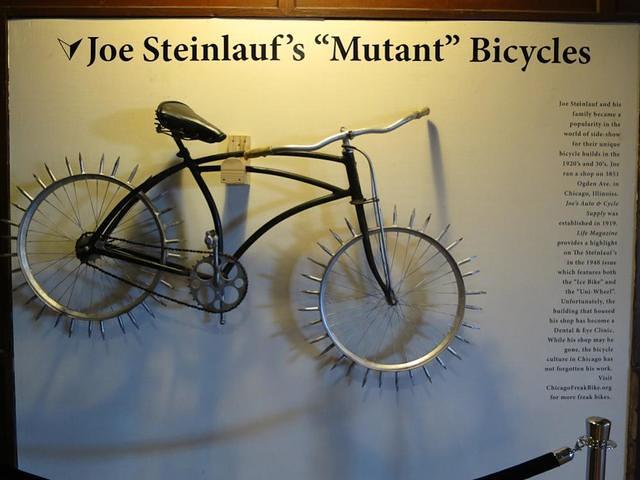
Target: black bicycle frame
x=201, y=165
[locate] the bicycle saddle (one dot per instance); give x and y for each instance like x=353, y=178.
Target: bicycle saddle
x=183, y=122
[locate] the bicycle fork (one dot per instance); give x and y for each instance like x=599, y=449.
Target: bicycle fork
x=358, y=200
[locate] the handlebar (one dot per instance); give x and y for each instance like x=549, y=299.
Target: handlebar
x=346, y=135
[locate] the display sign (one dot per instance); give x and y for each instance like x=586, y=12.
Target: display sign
x=523, y=169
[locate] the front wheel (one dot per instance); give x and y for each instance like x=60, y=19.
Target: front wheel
x=430, y=294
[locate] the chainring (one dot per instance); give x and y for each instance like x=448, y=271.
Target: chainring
x=224, y=294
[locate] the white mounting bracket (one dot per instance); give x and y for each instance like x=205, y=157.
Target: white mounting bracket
x=234, y=170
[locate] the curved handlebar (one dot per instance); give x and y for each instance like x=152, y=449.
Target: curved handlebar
x=346, y=135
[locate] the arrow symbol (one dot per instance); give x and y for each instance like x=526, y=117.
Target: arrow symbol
x=69, y=49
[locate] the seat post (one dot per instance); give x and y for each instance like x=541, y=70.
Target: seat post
x=183, y=152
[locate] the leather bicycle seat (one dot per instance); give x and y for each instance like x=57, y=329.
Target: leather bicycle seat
x=186, y=124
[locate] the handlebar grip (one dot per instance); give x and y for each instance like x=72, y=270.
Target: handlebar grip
x=257, y=152
x=422, y=113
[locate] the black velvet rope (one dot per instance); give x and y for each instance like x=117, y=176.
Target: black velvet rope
x=528, y=469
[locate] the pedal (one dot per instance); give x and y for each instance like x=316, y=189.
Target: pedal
x=210, y=239
x=234, y=170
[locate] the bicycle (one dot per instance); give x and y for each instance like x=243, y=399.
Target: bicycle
x=93, y=247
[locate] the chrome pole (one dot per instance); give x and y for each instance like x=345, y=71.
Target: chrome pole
x=597, y=443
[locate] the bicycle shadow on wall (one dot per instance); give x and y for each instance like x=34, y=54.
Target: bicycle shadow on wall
x=437, y=167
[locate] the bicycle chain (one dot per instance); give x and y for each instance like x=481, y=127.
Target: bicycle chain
x=140, y=244
x=148, y=290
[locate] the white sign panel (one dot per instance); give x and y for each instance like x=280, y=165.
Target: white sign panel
x=529, y=154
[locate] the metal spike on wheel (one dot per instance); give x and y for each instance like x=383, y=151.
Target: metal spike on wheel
x=9, y=222
x=70, y=329
x=312, y=277
x=133, y=174
x=469, y=274
x=453, y=244
x=102, y=329
x=101, y=165
x=443, y=232
x=81, y=163
x=316, y=262
x=25, y=194
x=22, y=209
x=50, y=173
x=412, y=218
x=115, y=167
x=309, y=309
x=40, y=182
x=337, y=237
x=89, y=323
x=476, y=292
x=350, y=227
x=394, y=217
x=466, y=260
x=425, y=224
x=325, y=249
x=69, y=170
x=124, y=332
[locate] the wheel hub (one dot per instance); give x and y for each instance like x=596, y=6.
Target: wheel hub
x=83, y=249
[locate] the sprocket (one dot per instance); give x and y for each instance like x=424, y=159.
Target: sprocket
x=224, y=294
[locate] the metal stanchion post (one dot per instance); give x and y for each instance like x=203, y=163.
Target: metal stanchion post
x=597, y=442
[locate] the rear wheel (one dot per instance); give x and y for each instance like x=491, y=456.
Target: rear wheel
x=60, y=219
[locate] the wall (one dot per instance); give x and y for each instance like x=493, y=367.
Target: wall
x=185, y=396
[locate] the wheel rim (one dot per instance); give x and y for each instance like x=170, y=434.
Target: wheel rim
x=49, y=234
x=431, y=301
